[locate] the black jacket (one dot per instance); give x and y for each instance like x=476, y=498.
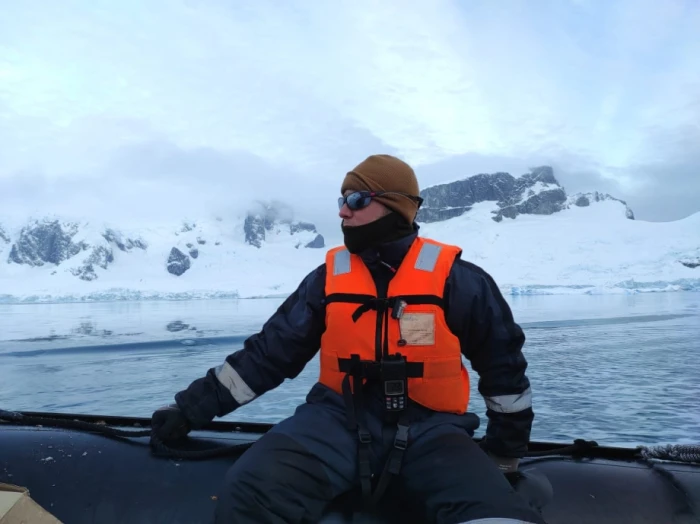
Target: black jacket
x=475, y=310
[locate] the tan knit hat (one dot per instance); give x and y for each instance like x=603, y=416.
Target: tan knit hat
x=386, y=173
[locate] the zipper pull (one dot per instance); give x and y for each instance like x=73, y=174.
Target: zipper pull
x=391, y=268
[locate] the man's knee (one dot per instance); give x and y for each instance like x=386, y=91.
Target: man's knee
x=456, y=480
x=276, y=480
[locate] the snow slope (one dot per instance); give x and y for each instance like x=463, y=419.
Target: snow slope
x=592, y=249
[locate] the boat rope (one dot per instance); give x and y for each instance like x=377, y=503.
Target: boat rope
x=677, y=452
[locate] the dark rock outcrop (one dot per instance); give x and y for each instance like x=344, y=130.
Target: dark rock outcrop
x=534, y=193
x=124, y=244
x=296, y=227
x=317, y=242
x=254, y=228
x=51, y=242
x=585, y=199
x=545, y=202
x=100, y=257
x=691, y=262
x=47, y=242
x=178, y=262
x=276, y=216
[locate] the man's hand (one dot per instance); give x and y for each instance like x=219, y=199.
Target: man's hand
x=169, y=423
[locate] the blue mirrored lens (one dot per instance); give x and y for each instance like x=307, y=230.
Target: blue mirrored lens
x=355, y=201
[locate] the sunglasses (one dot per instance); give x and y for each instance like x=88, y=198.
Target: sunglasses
x=361, y=199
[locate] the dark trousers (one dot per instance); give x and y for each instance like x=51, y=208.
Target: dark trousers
x=306, y=461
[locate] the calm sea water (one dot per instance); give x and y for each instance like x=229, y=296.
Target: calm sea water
x=620, y=369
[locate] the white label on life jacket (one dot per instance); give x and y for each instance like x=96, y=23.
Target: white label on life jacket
x=418, y=329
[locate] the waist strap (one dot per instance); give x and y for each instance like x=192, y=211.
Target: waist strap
x=371, y=369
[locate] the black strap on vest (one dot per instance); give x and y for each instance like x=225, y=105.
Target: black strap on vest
x=354, y=405
x=393, y=461
x=380, y=305
x=372, y=371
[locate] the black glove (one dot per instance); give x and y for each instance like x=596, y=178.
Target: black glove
x=170, y=423
x=505, y=464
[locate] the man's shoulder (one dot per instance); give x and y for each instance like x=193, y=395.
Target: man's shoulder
x=311, y=287
x=471, y=274
x=317, y=272
x=459, y=263
x=470, y=285
x=470, y=267
x=434, y=250
x=431, y=240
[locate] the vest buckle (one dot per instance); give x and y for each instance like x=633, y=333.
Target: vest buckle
x=364, y=435
x=401, y=439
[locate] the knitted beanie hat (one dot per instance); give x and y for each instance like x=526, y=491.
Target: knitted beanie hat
x=386, y=173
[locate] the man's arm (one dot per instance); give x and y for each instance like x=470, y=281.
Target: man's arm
x=283, y=347
x=492, y=341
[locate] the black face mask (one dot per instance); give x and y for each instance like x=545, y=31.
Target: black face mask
x=390, y=227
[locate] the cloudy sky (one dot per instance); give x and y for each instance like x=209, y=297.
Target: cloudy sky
x=205, y=105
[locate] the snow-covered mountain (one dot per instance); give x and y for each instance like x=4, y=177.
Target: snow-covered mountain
x=535, y=193
x=57, y=258
x=526, y=231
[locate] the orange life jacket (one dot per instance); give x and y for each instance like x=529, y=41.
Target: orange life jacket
x=357, y=322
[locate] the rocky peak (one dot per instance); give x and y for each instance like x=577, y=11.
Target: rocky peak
x=46, y=242
x=275, y=218
x=537, y=192
x=52, y=241
x=585, y=199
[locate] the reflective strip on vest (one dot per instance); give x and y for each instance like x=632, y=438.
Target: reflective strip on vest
x=341, y=262
x=428, y=257
x=232, y=381
x=510, y=403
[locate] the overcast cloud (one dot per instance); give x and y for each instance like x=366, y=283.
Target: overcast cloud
x=208, y=105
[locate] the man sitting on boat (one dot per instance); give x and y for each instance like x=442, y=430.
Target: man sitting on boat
x=393, y=313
